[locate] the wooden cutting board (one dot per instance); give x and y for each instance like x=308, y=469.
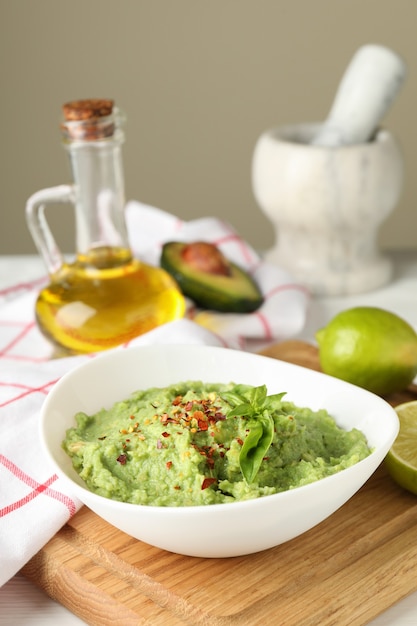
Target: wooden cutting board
x=345, y=571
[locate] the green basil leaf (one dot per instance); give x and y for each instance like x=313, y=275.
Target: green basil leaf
x=274, y=401
x=268, y=429
x=248, y=457
x=233, y=397
x=255, y=446
x=258, y=397
x=242, y=410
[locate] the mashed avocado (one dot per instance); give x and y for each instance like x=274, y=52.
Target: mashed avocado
x=177, y=446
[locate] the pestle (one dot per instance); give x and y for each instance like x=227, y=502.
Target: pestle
x=366, y=91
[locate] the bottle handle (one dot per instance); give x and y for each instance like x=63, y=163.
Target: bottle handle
x=39, y=227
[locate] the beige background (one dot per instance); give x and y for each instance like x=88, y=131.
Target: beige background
x=199, y=81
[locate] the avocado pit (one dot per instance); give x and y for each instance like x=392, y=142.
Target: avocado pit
x=205, y=257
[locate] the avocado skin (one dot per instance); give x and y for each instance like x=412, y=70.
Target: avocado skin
x=236, y=293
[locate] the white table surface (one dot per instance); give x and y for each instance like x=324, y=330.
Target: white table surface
x=23, y=604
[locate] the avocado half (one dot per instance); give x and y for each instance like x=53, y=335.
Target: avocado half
x=208, y=278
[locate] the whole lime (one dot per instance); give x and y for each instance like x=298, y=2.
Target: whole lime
x=369, y=347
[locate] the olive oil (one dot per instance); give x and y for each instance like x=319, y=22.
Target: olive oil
x=104, y=299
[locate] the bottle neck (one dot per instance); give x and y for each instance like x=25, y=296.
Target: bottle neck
x=97, y=170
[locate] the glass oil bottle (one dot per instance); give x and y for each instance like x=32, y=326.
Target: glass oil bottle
x=105, y=296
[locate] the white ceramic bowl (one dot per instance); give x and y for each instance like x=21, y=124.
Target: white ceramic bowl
x=219, y=530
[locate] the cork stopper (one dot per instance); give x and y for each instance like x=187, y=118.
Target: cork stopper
x=88, y=119
x=87, y=109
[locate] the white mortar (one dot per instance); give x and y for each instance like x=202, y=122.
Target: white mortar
x=326, y=206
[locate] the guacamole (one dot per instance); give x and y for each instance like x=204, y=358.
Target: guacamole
x=195, y=444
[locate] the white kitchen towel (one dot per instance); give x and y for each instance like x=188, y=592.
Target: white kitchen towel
x=34, y=504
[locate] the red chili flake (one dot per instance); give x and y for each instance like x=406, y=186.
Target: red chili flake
x=177, y=487
x=164, y=418
x=240, y=441
x=202, y=425
x=168, y=464
x=210, y=462
x=201, y=421
x=128, y=440
x=176, y=401
x=207, y=482
x=165, y=434
x=188, y=406
x=101, y=438
x=132, y=417
x=122, y=458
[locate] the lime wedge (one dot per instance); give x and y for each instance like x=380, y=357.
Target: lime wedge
x=401, y=460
